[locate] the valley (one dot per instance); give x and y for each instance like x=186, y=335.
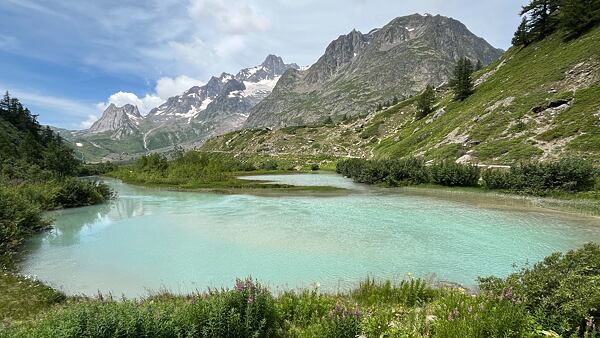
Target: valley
x=413, y=180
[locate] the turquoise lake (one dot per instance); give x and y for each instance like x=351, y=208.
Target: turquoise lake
x=149, y=239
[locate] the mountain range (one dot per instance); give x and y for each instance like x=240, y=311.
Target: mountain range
x=537, y=102
x=355, y=74
x=220, y=106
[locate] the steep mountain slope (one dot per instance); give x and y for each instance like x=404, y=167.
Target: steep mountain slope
x=541, y=101
x=359, y=70
x=220, y=106
x=121, y=121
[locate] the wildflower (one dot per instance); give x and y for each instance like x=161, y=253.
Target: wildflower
x=450, y=317
x=338, y=307
x=507, y=294
x=239, y=285
x=470, y=309
x=330, y=315
x=481, y=306
x=357, y=313
x=455, y=312
x=590, y=322
x=193, y=300
x=250, y=300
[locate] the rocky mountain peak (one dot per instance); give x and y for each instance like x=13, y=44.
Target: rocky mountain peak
x=339, y=53
x=359, y=70
x=272, y=68
x=122, y=121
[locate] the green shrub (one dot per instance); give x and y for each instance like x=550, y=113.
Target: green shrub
x=303, y=308
x=496, y=179
x=562, y=292
x=408, y=171
x=409, y=293
x=460, y=315
x=18, y=218
x=268, y=165
x=455, y=175
x=341, y=322
x=391, y=172
x=398, y=321
x=75, y=192
x=567, y=175
x=246, y=311
x=351, y=167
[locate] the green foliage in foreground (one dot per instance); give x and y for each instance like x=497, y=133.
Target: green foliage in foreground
x=536, y=178
x=557, y=296
x=562, y=292
x=22, y=205
x=39, y=176
x=22, y=297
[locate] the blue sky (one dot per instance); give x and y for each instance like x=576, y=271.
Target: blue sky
x=67, y=59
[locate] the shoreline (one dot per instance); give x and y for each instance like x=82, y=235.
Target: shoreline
x=576, y=206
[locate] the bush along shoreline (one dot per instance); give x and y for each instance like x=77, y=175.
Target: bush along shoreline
x=43, y=174
x=558, y=297
x=566, y=176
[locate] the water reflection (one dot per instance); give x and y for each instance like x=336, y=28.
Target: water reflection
x=151, y=238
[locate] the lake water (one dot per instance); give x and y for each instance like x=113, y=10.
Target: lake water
x=152, y=239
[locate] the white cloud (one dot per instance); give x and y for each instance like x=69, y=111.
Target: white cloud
x=230, y=45
x=194, y=53
x=60, y=104
x=167, y=87
x=88, y=122
x=231, y=17
x=144, y=104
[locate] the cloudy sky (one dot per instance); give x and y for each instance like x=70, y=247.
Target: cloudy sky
x=67, y=59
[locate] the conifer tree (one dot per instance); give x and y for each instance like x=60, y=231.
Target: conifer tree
x=578, y=16
x=543, y=16
x=479, y=65
x=425, y=102
x=521, y=37
x=462, y=83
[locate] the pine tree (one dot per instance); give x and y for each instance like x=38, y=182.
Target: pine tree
x=543, y=17
x=4, y=104
x=521, y=37
x=462, y=83
x=395, y=101
x=578, y=16
x=425, y=102
x=379, y=107
x=479, y=65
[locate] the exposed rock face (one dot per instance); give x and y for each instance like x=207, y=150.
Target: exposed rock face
x=359, y=70
x=220, y=106
x=120, y=121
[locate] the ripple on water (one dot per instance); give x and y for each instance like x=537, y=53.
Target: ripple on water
x=150, y=239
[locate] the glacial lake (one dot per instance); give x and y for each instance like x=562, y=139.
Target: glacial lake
x=150, y=240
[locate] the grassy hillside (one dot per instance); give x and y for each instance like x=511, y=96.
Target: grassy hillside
x=539, y=102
